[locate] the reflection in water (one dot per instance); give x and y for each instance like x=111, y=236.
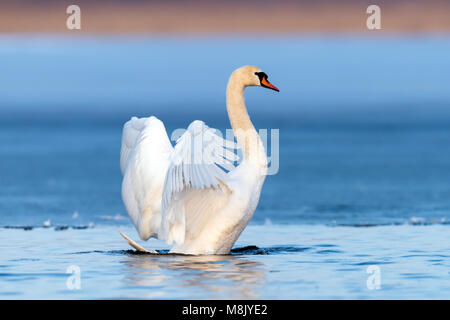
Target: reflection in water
x=228, y=277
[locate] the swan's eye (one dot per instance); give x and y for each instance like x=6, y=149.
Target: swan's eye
x=261, y=76
x=264, y=82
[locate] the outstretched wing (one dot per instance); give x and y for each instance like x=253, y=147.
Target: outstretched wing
x=144, y=159
x=195, y=184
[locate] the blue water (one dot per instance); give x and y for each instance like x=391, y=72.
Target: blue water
x=364, y=165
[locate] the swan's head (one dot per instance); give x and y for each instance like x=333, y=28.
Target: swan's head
x=253, y=76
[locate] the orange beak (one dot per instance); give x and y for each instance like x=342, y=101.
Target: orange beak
x=265, y=83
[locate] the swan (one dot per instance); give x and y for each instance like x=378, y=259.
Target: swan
x=192, y=195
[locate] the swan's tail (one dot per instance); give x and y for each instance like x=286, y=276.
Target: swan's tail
x=135, y=245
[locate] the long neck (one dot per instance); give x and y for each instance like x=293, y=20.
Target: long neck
x=243, y=128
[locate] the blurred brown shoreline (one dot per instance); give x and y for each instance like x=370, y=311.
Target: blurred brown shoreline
x=206, y=17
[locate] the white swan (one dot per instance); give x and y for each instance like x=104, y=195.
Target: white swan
x=183, y=194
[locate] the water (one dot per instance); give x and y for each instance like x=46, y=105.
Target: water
x=339, y=176
x=363, y=180
x=295, y=261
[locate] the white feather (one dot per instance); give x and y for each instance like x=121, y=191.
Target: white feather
x=194, y=166
x=144, y=159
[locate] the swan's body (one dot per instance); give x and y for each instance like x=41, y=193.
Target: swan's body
x=180, y=194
